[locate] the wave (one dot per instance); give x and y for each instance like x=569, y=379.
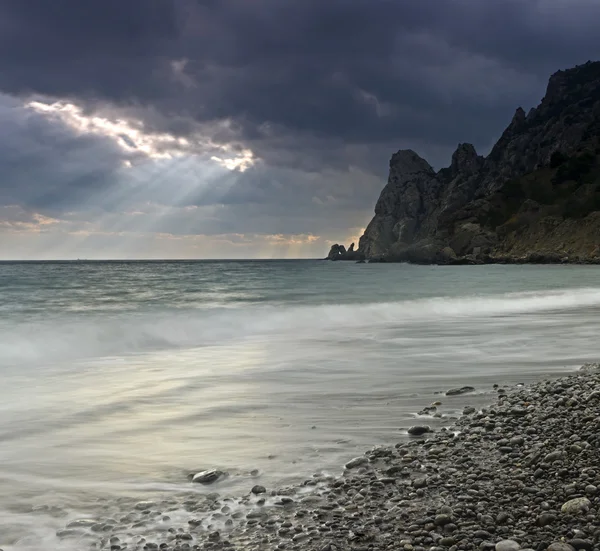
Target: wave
x=111, y=335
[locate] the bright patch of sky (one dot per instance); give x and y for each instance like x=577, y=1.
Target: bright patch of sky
x=132, y=137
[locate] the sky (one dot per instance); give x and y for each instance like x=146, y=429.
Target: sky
x=249, y=128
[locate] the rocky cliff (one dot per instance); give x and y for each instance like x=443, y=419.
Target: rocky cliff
x=534, y=198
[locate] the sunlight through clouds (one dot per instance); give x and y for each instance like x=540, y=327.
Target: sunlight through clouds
x=91, y=192
x=132, y=137
x=241, y=163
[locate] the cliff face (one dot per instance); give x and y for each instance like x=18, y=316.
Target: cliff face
x=403, y=211
x=536, y=193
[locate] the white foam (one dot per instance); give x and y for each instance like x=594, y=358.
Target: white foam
x=116, y=335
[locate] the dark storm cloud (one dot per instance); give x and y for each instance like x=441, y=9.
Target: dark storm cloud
x=362, y=71
x=539, y=36
x=108, y=49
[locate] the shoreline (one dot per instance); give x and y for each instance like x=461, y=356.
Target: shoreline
x=495, y=479
x=533, y=259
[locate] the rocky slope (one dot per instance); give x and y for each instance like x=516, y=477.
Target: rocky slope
x=534, y=198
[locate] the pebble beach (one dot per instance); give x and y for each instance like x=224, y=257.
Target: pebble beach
x=522, y=473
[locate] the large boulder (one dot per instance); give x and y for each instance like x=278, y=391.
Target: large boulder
x=208, y=477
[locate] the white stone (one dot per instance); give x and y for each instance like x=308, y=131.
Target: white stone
x=507, y=545
x=357, y=462
x=576, y=506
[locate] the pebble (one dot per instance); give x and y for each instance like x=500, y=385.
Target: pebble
x=578, y=543
x=560, y=546
x=357, y=462
x=576, y=506
x=442, y=520
x=507, y=545
x=420, y=482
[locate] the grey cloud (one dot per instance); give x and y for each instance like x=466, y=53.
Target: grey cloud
x=540, y=36
x=70, y=48
x=47, y=164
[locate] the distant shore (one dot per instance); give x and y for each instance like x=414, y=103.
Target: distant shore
x=522, y=473
x=476, y=260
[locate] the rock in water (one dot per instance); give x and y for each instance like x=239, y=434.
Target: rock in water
x=339, y=252
x=418, y=430
x=336, y=252
x=457, y=391
x=357, y=462
x=258, y=489
x=576, y=506
x=208, y=477
x=82, y=523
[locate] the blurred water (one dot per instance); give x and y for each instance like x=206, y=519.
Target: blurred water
x=117, y=378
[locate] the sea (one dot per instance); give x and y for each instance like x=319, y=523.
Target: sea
x=119, y=379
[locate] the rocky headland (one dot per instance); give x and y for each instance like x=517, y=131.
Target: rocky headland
x=535, y=198
x=521, y=473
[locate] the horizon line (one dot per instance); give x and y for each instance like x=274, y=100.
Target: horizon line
x=80, y=260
